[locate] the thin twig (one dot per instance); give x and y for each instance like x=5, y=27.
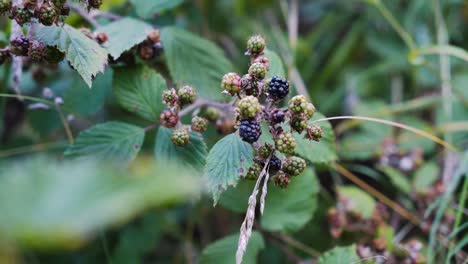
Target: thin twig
x=84, y=14
x=200, y=103
x=66, y=126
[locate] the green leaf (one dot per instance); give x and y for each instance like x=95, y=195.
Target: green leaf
x=139, y=91
x=359, y=202
x=147, y=9
x=112, y=140
x=84, y=54
x=276, y=65
x=318, y=152
x=124, y=34
x=223, y=251
x=236, y=198
x=48, y=204
x=425, y=176
x=288, y=210
x=81, y=100
x=226, y=162
x=195, y=61
x=192, y=155
x=339, y=255
x=397, y=178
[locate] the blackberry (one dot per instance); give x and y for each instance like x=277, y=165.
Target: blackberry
x=20, y=14
x=249, y=130
x=231, y=83
x=5, y=6
x=294, y=165
x=19, y=46
x=211, y=113
x=249, y=106
x=255, y=45
x=169, y=118
x=278, y=88
x=253, y=172
x=187, y=95
x=277, y=116
x=180, y=137
x=170, y=97
x=285, y=143
x=199, y=124
x=274, y=165
x=258, y=70
x=37, y=51
x=47, y=14
x=54, y=55
x=281, y=180
x=94, y=4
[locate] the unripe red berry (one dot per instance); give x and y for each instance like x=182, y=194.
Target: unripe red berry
x=231, y=83
x=19, y=46
x=314, y=132
x=263, y=60
x=101, y=38
x=170, y=97
x=37, y=51
x=169, y=118
x=277, y=116
x=281, y=180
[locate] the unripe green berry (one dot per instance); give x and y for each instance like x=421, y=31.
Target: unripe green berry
x=170, y=97
x=285, y=143
x=199, y=124
x=231, y=83
x=253, y=172
x=294, y=165
x=281, y=180
x=187, y=95
x=310, y=110
x=20, y=14
x=5, y=6
x=263, y=60
x=265, y=150
x=298, y=124
x=180, y=137
x=249, y=106
x=314, y=132
x=258, y=70
x=211, y=113
x=47, y=14
x=255, y=45
x=298, y=105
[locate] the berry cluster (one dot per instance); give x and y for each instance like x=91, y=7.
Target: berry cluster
x=259, y=100
x=45, y=12
x=34, y=50
x=175, y=100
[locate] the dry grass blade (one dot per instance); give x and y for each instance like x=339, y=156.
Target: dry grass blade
x=395, y=124
x=246, y=227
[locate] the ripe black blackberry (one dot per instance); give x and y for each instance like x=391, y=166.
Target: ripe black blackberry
x=278, y=88
x=249, y=130
x=275, y=165
x=19, y=46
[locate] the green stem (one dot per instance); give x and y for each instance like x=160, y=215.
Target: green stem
x=395, y=24
x=461, y=204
